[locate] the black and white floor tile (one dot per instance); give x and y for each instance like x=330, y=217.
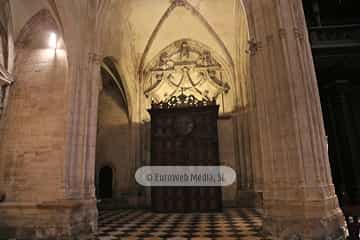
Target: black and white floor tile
x=146, y=225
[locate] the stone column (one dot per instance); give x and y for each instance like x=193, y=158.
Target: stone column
x=248, y=164
x=299, y=198
x=83, y=25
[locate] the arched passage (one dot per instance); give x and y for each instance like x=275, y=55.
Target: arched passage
x=105, y=182
x=113, y=130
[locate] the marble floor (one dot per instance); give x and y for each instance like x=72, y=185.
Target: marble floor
x=146, y=225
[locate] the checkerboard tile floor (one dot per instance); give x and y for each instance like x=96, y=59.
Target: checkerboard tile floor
x=146, y=225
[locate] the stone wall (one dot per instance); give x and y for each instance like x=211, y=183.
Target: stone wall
x=33, y=143
x=33, y=133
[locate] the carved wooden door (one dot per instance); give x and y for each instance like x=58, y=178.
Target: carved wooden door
x=185, y=136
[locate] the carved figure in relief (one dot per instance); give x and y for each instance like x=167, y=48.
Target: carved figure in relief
x=159, y=77
x=206, y=59
x=184, y=50
x=163, y=59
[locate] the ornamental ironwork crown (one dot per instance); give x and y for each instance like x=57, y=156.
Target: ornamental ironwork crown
x=183, y=101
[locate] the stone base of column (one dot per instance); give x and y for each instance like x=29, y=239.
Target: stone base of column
x=329, y=227
x=249, y=199
x=66, y=220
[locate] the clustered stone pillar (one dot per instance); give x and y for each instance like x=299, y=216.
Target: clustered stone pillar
x=299, y=198
x=84, y=42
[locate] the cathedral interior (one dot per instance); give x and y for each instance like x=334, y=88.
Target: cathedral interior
x=92, y=92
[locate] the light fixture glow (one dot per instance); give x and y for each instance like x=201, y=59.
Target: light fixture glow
x=53, y=40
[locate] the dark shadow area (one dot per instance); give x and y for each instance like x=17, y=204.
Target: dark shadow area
x=105, y=182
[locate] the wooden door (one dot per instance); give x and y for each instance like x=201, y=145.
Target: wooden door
x=185, y=137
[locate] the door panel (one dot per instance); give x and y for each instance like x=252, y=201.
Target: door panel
x=187, y=137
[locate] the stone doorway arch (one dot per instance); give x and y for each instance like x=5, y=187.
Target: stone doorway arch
x=106, y=178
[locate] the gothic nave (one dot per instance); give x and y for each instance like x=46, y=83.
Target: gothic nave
x=179, y=119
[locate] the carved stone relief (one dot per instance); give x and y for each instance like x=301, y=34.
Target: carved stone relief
x=185, y=68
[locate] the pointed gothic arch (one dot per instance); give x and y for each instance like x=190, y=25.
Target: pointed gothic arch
x=39, y=22
x=111, y=76
x=196, y=13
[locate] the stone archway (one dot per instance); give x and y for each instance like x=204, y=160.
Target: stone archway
x=106, y=182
